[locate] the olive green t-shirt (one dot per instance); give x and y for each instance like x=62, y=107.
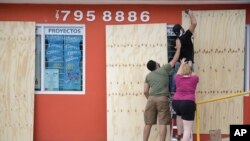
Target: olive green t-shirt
x=158, y=81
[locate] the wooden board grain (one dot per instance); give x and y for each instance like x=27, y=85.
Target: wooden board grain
x=219, y=61
x=17, y=66
x=128, y=48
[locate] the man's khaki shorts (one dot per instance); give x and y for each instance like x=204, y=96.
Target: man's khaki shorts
x=157, y=106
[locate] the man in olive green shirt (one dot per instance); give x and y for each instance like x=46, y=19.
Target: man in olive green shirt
x=156, y=90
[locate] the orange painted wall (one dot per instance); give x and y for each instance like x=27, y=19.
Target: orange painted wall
x=83, y=117
x=246, y=118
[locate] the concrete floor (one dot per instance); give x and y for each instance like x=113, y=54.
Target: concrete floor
x=225, y=139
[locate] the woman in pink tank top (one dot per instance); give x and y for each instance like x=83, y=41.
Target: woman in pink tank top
x=184, y=99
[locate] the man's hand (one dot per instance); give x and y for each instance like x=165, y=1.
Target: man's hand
x=146, y=90
x=183, y=61
x=187, y=11
x=192, y=19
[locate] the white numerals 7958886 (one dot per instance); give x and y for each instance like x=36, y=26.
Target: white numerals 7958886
x=107, y=16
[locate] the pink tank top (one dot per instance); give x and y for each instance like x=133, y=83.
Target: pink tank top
x=185, y=87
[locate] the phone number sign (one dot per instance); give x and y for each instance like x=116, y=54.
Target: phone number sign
x=107, y=16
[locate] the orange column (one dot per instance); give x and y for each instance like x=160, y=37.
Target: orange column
x=246, y=118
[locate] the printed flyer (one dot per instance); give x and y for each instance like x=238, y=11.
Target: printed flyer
x=51, y=79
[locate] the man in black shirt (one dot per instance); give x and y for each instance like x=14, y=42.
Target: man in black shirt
x=187, y=50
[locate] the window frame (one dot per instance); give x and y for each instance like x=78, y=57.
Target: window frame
x=42, y=67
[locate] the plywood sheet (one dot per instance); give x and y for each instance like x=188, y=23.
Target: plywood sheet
x=128, y=48
x=219, y=62
x=17, y=49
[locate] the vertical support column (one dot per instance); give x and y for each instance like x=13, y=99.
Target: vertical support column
x=247, y=59
x=246, y=117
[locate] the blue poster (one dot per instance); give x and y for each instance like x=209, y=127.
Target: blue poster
x=56, y=39
x=72, y=61
x=54, y=55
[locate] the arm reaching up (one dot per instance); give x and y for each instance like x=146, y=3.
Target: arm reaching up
x=182, y=63
x=192, y=19
x=177, y=53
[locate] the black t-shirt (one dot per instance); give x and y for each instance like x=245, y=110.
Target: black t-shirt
x=187, y=47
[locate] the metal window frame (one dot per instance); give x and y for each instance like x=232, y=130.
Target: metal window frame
x=43, y=91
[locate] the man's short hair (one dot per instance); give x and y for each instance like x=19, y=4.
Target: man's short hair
x=151, y=65
x=176, y=29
